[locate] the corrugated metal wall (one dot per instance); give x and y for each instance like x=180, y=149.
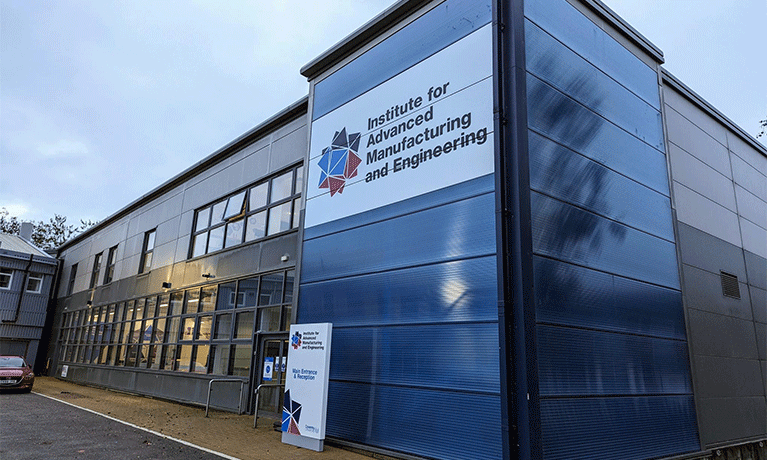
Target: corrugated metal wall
x=614, y=373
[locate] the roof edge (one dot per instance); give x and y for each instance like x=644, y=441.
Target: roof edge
x=282, y=117
x=704, y=105
x=625, y=28
x=363, y=35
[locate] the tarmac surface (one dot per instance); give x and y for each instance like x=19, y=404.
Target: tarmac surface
x=51, y=423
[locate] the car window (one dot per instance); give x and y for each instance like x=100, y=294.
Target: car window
x=11, y=362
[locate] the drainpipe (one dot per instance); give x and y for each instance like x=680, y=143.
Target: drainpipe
x=21, y=292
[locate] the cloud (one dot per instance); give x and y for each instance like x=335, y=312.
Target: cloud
x=63, y=148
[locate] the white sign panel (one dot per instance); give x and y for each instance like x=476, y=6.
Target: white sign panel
x=268, y=368
x=427, y=128
x=64, y=370
x=304, y=408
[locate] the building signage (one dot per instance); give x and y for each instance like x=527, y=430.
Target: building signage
x=427, y=128
x=305, y=400
x=268, y=368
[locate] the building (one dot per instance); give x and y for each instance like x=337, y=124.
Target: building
x=27, y=278
x=513, y=216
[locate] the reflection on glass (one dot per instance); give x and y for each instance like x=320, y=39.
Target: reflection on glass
x=258, y=196
x=203, y=331
x=244, y=325
x=223, y=326
x=256, y=227
x=192, y=303
x=169, y=358
x=234, y=233
x=271, y=289
x=200, y=361
x=139, y=310
x=173, y=329
x=174, y=308
x=151, y=303
x=187, y=329
x=235, y=205
x=203, y=216
x=226, y=296
x=269, y=319
x=280, y=218
x=220, y=354
x=184, y=357
x=241, y=360
x=198, y=246
x=290, y=275
x=282, y=187
x=248, y=293
x=162, y=307
x=216, y=241
x=208, y=299
x=217, y=215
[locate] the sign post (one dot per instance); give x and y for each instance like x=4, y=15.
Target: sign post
x=305, y=402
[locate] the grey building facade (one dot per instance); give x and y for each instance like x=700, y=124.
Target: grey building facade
x=27, y=277
x=606, y=277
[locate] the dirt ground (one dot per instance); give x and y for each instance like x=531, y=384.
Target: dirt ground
x=223, y=432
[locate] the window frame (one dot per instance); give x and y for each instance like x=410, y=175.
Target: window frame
x=7, y=272
x=147, y=252
x=72, y=278
x=39, y=277
x=109, y=270
x=232, y=228
x=96, y=270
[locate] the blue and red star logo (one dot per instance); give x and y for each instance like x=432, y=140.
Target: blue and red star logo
x=339, y=161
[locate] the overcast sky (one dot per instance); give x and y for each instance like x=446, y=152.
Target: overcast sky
x=102, y=101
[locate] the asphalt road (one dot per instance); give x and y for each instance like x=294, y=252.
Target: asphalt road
x=34, y=427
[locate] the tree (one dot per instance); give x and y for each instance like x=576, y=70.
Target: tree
x=763, y=125
x=45, y=235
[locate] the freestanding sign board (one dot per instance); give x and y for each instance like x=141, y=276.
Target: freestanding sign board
x=304, y=408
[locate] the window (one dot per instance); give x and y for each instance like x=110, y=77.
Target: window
x=72, y=277
x=264, y=209
x=6, y=276
x=96, y=270
x=109, y=273
x=35, y=283
x=147, y=251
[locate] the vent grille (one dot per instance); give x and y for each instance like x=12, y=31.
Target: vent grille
x=730, y=286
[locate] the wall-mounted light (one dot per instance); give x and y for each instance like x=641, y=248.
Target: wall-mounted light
x=285, y=257
x=89, y=303
x=208, y=275
x=165, y=285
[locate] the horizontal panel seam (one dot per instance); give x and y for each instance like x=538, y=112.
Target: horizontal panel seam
x=421, y=387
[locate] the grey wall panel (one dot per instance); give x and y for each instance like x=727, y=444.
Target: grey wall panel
x=758, y=303
x=703, y=291
x=711, y=254
x=288, y=149
x=702, y=178
x=167, y=231
x=163, y=255
x=696, y=116
x=273, y=250
x=751, y=207
x=757, y=269
x=725, y=377
x=698, y=211
x=696, y=142
x=728, y=419
x=722, y=336
x=237, y=262
x=761, y=340
x=182, y=248
x=754, y=238
x=749, y=178
x=747, y=153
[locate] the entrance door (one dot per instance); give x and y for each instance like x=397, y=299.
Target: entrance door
x=271, y=361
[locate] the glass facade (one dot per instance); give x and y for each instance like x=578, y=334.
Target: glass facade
x=205, y=330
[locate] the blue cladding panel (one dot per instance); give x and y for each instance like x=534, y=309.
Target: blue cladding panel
x=456, y=230
x=576, y=296
x=568, y=233
x=578, y=362
x=585, y=38
x=464, y=290
x=435, y=30
x=618, y=428
x=423, y=422
x=568, y=72
x=415, y=356
x=563, y=174
x=565, y=121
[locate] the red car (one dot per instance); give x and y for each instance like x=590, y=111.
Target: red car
x=15, y=374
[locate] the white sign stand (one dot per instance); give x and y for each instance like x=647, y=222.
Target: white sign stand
x=305, y=402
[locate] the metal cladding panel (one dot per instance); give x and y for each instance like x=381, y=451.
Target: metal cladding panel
x=456, y=291
x=447, y=232
x=612, y=428
x=420, y=421
x=581, y=362
x=415, y=356
x=575, y=296
x=565, y=232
